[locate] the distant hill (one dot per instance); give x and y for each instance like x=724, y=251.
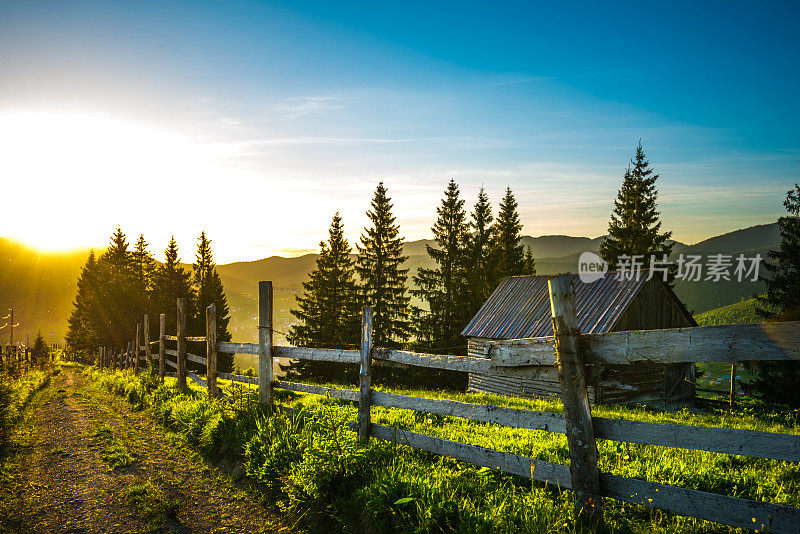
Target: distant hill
x=742, y=312
x=41, y=286
x=706, y=295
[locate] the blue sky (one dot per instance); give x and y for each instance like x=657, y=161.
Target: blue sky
x=303, y=107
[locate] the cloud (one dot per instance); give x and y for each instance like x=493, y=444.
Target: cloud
x=296, y=107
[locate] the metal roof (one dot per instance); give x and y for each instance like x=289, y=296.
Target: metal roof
x=520, y=307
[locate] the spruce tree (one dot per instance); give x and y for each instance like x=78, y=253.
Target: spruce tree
x=82, y=326
x=208, y=290
x=783, y=265
x=143, y=266
x=117, y=301
x=383, y=281
x=635, y=228
x=479, y=274
x=529, y=264
x=328, y=311
x=508, y=253
x=171, y=283
x=780, y=381
x=444, y=287
x=39, y=349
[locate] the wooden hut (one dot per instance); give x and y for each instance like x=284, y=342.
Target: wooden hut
x=520, y=308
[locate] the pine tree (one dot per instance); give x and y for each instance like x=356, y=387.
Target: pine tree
x=82, y=335
x=39, y=349
x=780, y=381
x=383, y=281
x=143, y=266
x=171, y=283
x=783, y=267
x=529, y=264
x=480, y=277
x=444, y=288
x=635, y=228
x=508, y=253
x=328, y=311
x=116, y=301
x=208, y=290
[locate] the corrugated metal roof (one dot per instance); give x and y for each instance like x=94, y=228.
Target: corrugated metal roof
x=520, y=307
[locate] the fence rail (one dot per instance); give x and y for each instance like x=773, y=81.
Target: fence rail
x=569, y=353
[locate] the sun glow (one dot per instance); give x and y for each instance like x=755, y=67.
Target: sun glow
x=69, y=177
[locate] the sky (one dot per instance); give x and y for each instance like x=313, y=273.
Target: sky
x=257, y=121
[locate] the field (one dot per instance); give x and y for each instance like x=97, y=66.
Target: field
x=314, y=473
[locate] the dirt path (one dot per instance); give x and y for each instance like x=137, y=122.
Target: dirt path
x=61, y=483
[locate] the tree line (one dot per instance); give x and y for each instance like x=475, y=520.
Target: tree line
x=471, y=254
x=117, y=288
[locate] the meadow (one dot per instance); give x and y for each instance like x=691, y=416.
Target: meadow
x=312, y=471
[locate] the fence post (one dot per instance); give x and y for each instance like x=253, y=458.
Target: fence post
x=365, y=376
x=211, y=351
x=147, y=354
x=733, y=386
x=182, y=343
x=580, y=431
x=128, y=356
x=265, y=343
x=137, y=349
x=162, y=332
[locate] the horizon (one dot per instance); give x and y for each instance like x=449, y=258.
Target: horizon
x=257, y=123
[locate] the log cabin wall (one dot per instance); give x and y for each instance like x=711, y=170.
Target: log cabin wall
x=661, y=386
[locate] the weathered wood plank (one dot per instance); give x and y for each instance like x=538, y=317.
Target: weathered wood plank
x=437, y=361
x=580, y=431
x=502, y=461
x=170, y=338
x=346, y=394
x=784, y=447
x=162, y=328
x=171, y=364
x=322, y=355
x=238, y=378
x=238, y=348
x=199, y=381
x=742, y=513
x=196, y=339
x=516, y=352
x=147, y=353
x=486, y=413
x=365, y=376
x=136, y=353
x=211, y=350
x=196, y=359
x=725, y=343
x=265, y=343
x=181, y=343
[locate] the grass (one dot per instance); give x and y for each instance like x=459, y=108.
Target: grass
x=14, y=396
x=742, y=312
x=149, y=502
x=315, y=474
x=114, y=452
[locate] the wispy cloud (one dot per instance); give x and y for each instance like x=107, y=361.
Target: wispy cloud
x=296, y=107
x=518, y=81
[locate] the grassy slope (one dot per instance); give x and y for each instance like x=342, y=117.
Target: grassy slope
x=315, y=473
x=742, y=312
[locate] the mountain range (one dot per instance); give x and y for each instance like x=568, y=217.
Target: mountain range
x=41, y=285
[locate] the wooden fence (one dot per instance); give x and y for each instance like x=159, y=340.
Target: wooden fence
x=570, y=351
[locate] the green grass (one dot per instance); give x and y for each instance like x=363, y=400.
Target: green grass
x=14, y=396
x=149, y=502
x=114, y=451
x=313, y=472
x=742, y=312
